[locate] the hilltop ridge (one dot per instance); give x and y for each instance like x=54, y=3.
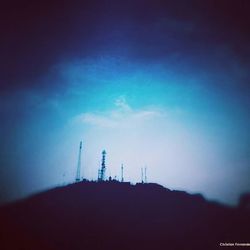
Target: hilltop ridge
x=115, y=215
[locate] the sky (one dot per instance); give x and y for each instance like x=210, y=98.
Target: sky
x=157, y=84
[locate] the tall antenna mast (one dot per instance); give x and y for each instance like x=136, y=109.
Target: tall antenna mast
x=78, y=171
x=122, y=179
x=142, y=175
x=145, y=174
x=103, y=167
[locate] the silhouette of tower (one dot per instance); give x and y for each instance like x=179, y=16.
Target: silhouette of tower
x=101, y=174
x=78, y=171
x=144, y=175
x=142, y=181
x=122, y=179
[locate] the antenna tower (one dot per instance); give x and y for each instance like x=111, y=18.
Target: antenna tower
x=103, y=167
x=122, y=179
x=78, y=171
x=142, y=175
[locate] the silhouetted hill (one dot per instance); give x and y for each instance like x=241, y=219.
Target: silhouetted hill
x=113, y=215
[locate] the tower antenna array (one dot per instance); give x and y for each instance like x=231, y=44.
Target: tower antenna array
x=122, y=179
x=78, y=171
x=144, y=175
x=142, y=178
x=101, y=176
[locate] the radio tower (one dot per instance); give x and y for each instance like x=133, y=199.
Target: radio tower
x=122, y=179
x=103, y=168
x=142, y=176
x=78, y=171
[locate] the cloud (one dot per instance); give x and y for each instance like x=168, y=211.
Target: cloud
x=123, y=115
x=121, y=103
x=32, y=44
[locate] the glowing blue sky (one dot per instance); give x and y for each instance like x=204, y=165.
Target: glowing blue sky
x=153, y=90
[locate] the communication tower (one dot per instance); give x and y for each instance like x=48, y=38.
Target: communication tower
x=101, y=172
x=122, y=179
x=78, y=171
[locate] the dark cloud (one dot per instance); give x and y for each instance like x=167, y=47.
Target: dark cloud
x=36, y=35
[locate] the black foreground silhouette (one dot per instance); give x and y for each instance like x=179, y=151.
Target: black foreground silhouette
x=115, y=215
